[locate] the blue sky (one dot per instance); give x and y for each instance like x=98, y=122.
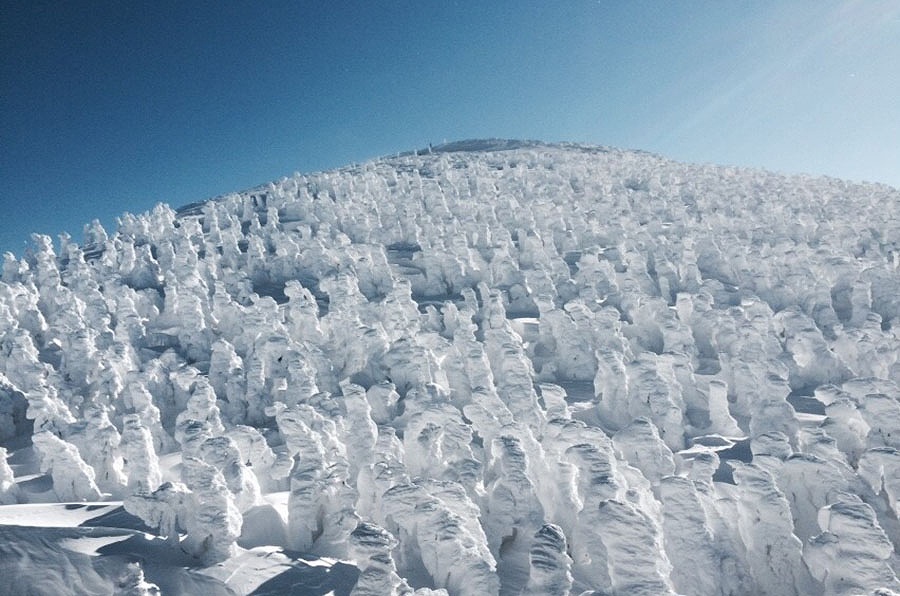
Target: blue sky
x=108, y=107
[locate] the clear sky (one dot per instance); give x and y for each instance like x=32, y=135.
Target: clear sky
x=112, y=106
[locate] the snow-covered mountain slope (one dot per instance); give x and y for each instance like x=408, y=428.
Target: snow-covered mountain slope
x=491, y=367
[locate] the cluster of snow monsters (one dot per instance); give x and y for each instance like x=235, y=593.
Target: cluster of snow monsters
x=511, y=368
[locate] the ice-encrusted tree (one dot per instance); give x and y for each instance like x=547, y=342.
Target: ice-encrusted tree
x=167, y=509
x=370, y=547
x=131, y=582
x=434, y=536
x=851, y=555
x=550, y=572
x=213, y=520
x=140, y=461
x=224, y=455
x=98, y=443
x=73, y=479
x=513, y=510
x=9, y=491
x=766, y=528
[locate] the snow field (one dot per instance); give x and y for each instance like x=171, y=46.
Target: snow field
x=494, y=368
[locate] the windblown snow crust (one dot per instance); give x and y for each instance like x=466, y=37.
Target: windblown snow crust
x=492, y=368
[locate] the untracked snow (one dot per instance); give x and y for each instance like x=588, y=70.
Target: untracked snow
x=490, y=367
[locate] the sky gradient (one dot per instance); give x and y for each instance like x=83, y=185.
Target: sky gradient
x=108, y=107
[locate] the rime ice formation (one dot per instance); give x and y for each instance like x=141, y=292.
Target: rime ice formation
x=370, y=547
x=73, y=479
x=214, y=520
x=550, y=569
x=141, y=463
x=132, y=583
x=9, y=491
x=494, y=367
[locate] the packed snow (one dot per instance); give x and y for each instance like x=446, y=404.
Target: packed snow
x=489, y=367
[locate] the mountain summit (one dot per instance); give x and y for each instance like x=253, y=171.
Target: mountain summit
x=487, y=367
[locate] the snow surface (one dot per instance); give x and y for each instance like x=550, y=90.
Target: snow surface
x=488, y=367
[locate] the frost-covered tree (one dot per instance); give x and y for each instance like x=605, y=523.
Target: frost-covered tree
x=550, y=572
x=167, y=509
x=213, y=520
x=223, y=454
x=98, y=443
x=141, y=464
x=9, y=491
x=73, y=479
